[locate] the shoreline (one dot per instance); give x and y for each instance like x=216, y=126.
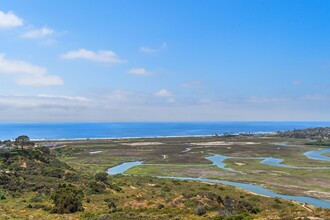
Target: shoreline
x=155, y=137
x=122, y=130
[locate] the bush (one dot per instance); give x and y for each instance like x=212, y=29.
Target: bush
x=37, y=198
x=53, y=172
x=2, y=194
x=166, y=189
x=101, y=177
x=72, y=177
x=104, y=217
x=96, y=187
x=242, y=216
x=67, y=199
x=200, y=210
x=111, y=204
x=115, y=187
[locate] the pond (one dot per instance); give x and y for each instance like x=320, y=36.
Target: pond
x=120, y=169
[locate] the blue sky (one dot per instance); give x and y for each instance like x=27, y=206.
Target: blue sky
x=164, y=60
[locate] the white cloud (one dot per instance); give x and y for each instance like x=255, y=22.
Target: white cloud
x=39, y=80
x=103, y=56
x=9, y=20
x=138, y=71
x=74, y=98
x=163, y=93
x=38, y=33
x=150, y=50
x=27, y=74
x=16, y=66
x=45, y=102
x=147, y=50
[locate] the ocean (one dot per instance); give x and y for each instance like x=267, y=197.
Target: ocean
x=143, y=129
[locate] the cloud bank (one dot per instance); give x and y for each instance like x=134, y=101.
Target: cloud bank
x=122, y=105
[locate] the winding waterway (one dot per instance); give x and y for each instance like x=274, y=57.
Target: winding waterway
x=318, y=154
x=218, y=159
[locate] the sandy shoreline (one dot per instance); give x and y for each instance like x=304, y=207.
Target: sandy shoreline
x=151, y=137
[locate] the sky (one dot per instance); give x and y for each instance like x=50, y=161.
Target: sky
x=147, y=60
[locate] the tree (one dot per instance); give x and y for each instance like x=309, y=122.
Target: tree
x=7, y=143
x=22, y=141
x=67, y=199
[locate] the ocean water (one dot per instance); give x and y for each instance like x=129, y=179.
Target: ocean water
x=143, y=129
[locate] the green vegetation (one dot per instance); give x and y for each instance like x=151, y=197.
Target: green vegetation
x=323, y=142
x=44, y=183
x=23, y=141
x=67, y=199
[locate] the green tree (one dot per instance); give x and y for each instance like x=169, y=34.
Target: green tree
x=7, y=143
x=22, y=141
x=67, y=199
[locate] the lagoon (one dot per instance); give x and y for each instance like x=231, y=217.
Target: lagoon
x=120, y=169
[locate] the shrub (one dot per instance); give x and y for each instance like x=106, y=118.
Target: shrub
x=200, y=210
x=101, y=177
x=111, y=204
x=53, y=172
x=161, y=206
x=104, y=217
x=115, y=187
x=166, y=189
x=72, y=177
x=67, y=199
x=242, y=216
x=2, y=194
x=37, y=198
x=96, y=187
